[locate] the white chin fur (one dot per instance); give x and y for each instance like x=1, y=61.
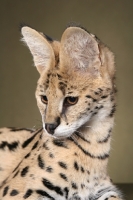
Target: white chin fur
x=59, y=133
x=64, y=131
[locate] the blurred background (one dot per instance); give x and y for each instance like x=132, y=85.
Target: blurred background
x=111, y=21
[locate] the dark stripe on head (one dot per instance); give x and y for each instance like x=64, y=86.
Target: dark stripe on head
x=62, y=87
x=90, y=97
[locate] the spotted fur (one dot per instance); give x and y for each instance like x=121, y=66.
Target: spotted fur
x=67, y=158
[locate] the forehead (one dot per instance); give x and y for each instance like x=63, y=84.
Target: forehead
x=68, y=83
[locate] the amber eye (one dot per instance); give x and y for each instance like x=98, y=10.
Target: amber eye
x=44, y=99
x=71, y=101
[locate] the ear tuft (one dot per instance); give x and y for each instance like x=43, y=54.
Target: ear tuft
x=41, y=50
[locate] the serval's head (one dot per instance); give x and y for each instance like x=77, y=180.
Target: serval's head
x=76, y=79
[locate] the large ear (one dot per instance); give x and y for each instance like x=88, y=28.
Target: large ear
x=43, y=54
x=79, y=50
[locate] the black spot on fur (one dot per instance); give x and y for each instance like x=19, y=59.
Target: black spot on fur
x=50, y=186
x=35, y=145
x=103, y=97
x=24, y=171
x=44, y=194
x=49, y=169
x=96, y=93
x=13, y=129
x=51, y=155
x=28, y=193
x=82, y=185
x=63, y=165
x=11, y=146
x=112, y=111
x=89, y=97
x=59, y=76
x=63, y=176
x=76, y=166
x=74, y=186
x=45, y=145
x=94, y=113
x=5, y=191
x=40, y=162
x=28, y=154
x=14, y=193
x=101, y=107
x=66, y=191
x=60, y=143
x=82, y=169
x=94, y=100
x=29, y=140
x=96, y=107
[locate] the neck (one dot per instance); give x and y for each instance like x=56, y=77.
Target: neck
x=94, y=140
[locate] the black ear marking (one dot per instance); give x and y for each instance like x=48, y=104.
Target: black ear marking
x=23, y=24
x=48, y=38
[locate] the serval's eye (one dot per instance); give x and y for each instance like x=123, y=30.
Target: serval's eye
x=44, y=99
x=71, y=101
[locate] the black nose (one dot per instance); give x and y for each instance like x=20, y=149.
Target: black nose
x=51, y=128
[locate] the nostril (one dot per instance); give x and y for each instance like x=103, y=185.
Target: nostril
x=51, y=128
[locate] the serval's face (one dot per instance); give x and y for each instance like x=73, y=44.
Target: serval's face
x=75, y=85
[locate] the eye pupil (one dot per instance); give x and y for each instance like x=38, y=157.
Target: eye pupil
x=71, y=100
x=44, y=99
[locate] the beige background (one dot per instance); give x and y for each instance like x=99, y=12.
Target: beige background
x=110, y=20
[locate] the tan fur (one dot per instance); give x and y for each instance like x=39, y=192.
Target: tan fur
x=68, y=158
